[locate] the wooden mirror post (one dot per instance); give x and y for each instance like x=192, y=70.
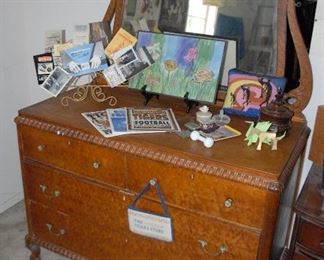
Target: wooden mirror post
x=302, y=94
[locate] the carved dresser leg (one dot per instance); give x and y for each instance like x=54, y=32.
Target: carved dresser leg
x=35, y=249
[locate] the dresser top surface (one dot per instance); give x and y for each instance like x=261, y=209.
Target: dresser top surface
x=234, y=154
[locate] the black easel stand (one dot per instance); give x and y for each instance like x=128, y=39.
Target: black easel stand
x=189, y=103
x=147, y=95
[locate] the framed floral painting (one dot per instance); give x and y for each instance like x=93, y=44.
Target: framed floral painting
x=184, y=66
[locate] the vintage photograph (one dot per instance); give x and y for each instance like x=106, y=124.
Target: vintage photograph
x=183, y=65
x=56, y=81
x=124, y=56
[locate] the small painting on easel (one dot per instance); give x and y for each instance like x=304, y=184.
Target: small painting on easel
x=183, y=65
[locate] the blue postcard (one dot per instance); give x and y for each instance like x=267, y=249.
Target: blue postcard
x=84, y=59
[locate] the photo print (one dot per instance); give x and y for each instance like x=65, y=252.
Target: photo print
x=56, y=81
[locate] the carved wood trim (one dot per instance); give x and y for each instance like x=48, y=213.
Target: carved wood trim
x=281, y=37
x=238, y=176
x=33, y=240
x=303, y=92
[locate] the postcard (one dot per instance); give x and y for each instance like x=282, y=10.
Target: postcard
x=221, y=133
x=53, y=37
x=56, y=81
x=121, y=40
x=84, y=59
x=127, y=63
x=113, y=75
x=81, y=34
x=44, y=66
x=100, y=121
x=57, y=50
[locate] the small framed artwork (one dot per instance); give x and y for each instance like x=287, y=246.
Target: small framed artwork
x=184, y=66
x=231, y=54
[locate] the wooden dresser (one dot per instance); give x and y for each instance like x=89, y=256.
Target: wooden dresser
x=227, y=202
x=308, y=235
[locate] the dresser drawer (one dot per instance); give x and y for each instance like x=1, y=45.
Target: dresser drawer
x=90, y=202
x=311, y=237
x=200, y=192
x=195, y=237
x=73, y=155
x=74, y=234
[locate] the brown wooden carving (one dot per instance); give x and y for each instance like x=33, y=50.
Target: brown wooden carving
x=303, y=92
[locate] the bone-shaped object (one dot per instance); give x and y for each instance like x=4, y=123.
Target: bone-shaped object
x=207, y=141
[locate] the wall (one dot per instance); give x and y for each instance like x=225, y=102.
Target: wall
x=317, y=60
x=22, y=27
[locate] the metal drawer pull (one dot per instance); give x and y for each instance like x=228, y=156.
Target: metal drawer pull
x=322, y=243
x=96, y=164
x=40, y=147
x=221, y=250
x=58, y=233
x=228, y=203
x=55, y=194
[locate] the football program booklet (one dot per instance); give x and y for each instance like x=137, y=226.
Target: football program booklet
x=44, y=66
x=100, y=121
x=152, y=120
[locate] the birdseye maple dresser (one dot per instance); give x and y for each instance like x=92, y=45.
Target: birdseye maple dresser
x=227, y=202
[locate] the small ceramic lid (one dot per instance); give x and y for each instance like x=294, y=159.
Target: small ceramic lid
x=203, y=114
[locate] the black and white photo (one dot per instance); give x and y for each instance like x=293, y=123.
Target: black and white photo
x=56, y=81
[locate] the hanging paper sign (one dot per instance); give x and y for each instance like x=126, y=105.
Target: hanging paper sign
x=149, y=224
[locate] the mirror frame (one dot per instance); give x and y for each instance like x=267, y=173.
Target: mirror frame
x=286, y=19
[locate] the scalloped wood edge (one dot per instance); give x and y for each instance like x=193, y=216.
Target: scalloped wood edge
x=203, y=168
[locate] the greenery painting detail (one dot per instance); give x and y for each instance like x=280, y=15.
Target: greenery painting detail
x=182, y=64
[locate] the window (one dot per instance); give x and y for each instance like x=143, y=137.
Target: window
x=201, y=18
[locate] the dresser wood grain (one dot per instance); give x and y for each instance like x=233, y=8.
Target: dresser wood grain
x=308, y=236
x=78, y=185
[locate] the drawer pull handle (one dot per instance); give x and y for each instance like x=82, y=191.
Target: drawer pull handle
x=322, y=243
x=55, y=194
x=228, y=203
x=221, y=250
x=58, y=233
x=96, y=164
x=41, y=147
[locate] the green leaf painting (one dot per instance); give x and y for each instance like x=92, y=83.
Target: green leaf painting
x=182, y=64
